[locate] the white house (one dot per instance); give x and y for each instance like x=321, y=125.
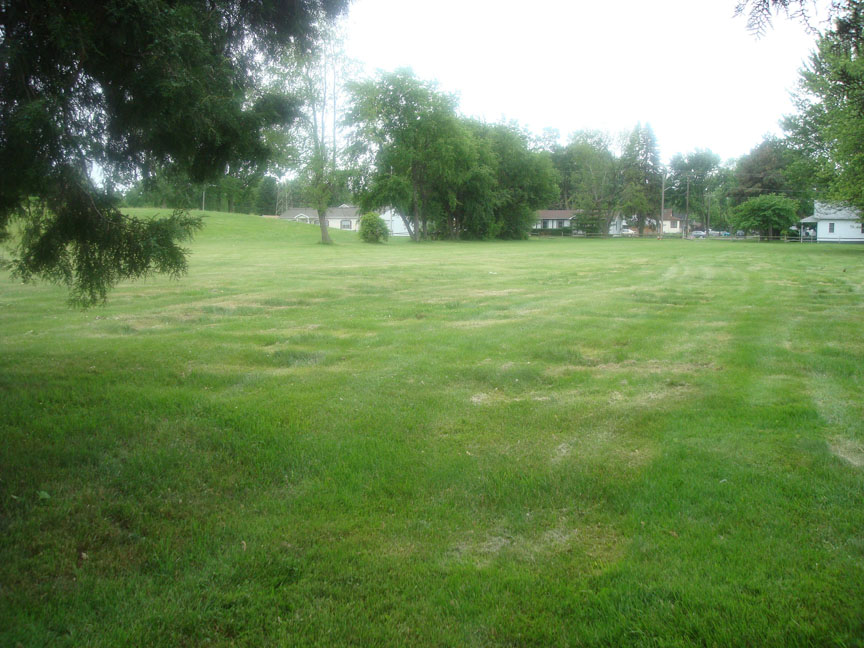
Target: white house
x=554, y=218
x=344, y=217
x=836, y=223
x=394, y=223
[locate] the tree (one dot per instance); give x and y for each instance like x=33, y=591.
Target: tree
x=93, y=94
x=829, y=125
x=760, y=12
x=640, y=173
x=316, y=78
x=719, y=201
x=766, y=214
x=526, y=181
x=593, y=181
x=691, y=179
x=774, y=167
x=406, y=136
x=266, y=196
x=446, y=177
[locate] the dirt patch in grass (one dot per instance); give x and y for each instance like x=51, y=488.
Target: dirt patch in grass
x=617, y=450
x=598, y=546
x=480, y=323
x=650, y=367
x=494, y=293
x=849, y=450
x=495, y=397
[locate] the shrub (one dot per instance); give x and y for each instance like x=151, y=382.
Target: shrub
x=373, y=229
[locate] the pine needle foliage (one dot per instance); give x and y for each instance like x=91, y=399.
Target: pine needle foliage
x=95, y=95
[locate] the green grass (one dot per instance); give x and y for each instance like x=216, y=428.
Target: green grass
x=553, y=442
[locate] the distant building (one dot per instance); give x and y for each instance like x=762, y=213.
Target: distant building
x=344, y=217
x=672, y=223
x=835, y=223
x=554, y=218
x=394, y=223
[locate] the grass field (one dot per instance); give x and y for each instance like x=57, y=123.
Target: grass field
x=545, y=443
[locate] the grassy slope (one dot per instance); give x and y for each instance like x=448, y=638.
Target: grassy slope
x=543, y=443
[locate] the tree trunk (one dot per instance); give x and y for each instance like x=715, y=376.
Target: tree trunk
x=414, y=230
x=322, y=222
x=408, y=226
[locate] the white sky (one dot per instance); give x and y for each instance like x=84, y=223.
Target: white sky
x=687, y=67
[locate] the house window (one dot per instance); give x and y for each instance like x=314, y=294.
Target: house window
x=345, y=224
x=862, y=228
x=830, y=228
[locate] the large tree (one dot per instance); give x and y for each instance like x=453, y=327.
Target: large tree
x=318, y=79
x=640, y=177
x=526, y=181
x=690, y=181
x=767, y=214
x=590, y=180
x=407, y=144
x=829, y=124
x=775, y=167
x=98, y=93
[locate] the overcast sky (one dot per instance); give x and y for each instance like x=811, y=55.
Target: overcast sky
x=687, y=67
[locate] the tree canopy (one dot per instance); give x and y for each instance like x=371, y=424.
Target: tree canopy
x=829, y=124
x=641, y=179
x=447, y=177
x=767, y=214
x=113, y=90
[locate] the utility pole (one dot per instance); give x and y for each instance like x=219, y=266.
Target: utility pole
x=686, y=210
x=662, y=203
x=708, y=217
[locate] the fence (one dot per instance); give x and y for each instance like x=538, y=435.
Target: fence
x=565, y=232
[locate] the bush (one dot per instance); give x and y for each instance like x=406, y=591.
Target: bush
x=373, y=229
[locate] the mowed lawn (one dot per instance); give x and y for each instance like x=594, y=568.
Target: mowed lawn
x=545, y=443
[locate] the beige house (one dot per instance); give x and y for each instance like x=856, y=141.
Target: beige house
x=672, y=223
x=343, y=217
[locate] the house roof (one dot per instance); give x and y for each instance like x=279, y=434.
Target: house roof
x=833, y=212
x=555, y=214
x=333, y=212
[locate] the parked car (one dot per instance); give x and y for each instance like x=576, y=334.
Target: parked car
x=725, y=233
x=698, y=234
x=740, y=233
x=627, y=232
